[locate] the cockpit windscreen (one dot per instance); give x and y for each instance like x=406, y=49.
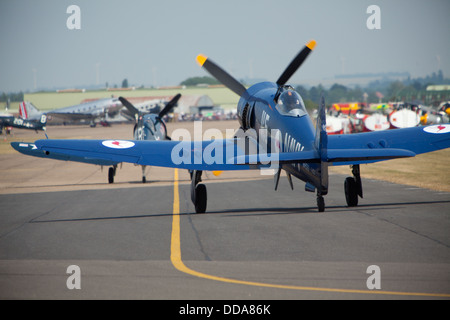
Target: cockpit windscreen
x=291, y=104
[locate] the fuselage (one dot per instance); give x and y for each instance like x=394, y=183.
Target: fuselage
x=11, y=121
x=259, y=109
x=96, y=108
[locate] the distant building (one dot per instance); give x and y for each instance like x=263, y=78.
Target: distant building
x=435, y=94
x=194, y=104
x=188, y=104
x=432, y=96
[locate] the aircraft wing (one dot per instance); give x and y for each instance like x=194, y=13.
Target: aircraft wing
x=229, y=155
x=30, y=149
x=389, y=144
x=201, y=155
x=192, y=155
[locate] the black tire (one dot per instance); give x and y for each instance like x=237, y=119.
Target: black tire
x=351, y=192
x=111, y=175
x=200, y=198
x=320, y=204
x=144, y=180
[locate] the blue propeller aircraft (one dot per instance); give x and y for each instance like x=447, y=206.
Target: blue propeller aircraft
x=274, y=114
x=150, y=126
x=15, y=122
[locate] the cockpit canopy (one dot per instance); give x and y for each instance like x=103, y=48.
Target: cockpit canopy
x=153, y=127
x=291, y=104
x=150, y=122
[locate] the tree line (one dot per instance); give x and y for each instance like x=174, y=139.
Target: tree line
x=11, y=97
x=385, y=89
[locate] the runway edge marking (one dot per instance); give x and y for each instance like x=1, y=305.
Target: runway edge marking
x=175, y=258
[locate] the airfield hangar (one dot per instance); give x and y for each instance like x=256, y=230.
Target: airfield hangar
x=194, y=104
x=188, y=104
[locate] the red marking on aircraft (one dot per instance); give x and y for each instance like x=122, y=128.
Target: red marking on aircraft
x=118, y=144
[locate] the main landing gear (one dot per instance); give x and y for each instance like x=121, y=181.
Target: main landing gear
x=320, y=203
x=111, y=174
x=144, y=179
x=198, y=192
x=353, y=187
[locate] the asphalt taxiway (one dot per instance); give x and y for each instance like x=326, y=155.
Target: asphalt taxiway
x=253, y=243
x=144, y=241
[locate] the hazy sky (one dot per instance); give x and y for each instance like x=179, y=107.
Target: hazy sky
x=156, y=42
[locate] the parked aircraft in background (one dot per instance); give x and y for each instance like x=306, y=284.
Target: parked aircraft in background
x=91, y=111
x=405, y=115
x=354, y=117
x=148, y=126
x=430, y=115
x=8, y=121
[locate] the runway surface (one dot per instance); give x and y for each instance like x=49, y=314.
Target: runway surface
x=146, y=242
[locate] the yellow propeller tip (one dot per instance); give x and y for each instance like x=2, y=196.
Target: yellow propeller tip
x=201, y=59
x=217, y=173
x=312, y=44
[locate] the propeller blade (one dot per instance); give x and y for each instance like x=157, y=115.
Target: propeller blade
x=129, y=106
x=296, y=63
x=169, y=106
x=221, y=75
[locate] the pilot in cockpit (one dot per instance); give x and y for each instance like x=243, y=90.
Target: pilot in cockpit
x=291, y=104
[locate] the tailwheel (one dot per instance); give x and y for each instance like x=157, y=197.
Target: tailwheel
x=351, y=192
x=320, y=203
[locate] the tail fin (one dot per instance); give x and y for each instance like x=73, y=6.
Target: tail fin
x=28, y=111
x=321, y=143
x=23, y=110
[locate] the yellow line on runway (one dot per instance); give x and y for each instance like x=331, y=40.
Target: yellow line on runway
x=175, y=257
